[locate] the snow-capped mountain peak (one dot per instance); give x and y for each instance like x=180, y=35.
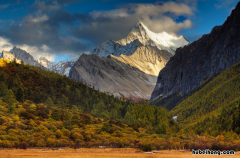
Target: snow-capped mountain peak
x=138, y=23
x=162, y=41
x=143, y=36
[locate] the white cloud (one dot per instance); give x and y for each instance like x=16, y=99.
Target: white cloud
x=151, y=10
x=115, y=24
x=110, y=14
x=33, y=50
x=40, y=19
x=36, y=19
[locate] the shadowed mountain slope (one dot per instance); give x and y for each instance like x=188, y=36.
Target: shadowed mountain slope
x=202, y=59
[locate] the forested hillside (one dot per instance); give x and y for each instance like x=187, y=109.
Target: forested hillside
x=215, y=107
x=33, y=100
x=40, y=108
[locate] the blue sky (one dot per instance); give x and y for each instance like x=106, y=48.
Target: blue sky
x=64, y=29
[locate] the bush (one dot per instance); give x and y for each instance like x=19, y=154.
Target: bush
x=147, y=147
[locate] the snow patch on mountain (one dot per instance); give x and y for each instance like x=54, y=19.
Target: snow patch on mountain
x=113, y=48
x=67, y=70
x=62, y=67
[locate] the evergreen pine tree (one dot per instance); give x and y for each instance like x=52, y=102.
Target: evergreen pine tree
x=56, y=115
x=20, y=94
x=3, y=89
x=49, y=103
x=10, y=99
x=64, y=101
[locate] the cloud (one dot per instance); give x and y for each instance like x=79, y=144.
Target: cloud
x=35, y=51
x=40, y=29
x=115, y=24
x=4, y=6
x=48, y=28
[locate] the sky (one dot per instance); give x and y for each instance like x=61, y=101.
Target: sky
x=65, y=29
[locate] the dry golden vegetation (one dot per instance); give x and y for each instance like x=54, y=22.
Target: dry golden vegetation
x=102, y=153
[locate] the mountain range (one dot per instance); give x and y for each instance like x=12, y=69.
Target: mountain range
x=128, y=68
x=195, y=103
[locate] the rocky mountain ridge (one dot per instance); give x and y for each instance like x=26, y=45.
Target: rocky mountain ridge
x=61, y=67
x=163, y=41
x=112, y=76
x=25, y=57
x=148, y=59
x=112, y=48
x=140, y=35
x=127, y=68
x=211, y=54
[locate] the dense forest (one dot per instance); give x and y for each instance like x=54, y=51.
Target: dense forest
x=40, y=108
x=205, y=109
x=212, y=104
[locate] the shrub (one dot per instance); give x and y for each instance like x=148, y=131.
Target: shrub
x=147, y=147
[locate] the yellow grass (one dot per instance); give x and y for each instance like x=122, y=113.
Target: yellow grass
x=101, y=153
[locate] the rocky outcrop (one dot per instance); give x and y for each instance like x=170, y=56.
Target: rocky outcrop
x=9, y=56
x=147, y=59
x=61, y=67
x=113, y=48
x=25, y=57
x=112, y=76
x=202, y=59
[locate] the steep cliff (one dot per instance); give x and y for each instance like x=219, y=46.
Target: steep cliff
x=202, y=59
x=129, y=67
x=147, y=59
x=140, y=35
x=113, y=48
x=25, y=57
x=112, y=76
x=163, y=41
x=61, y=67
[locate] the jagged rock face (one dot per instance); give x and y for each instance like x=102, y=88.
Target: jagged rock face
x=62, y=67
x=202, y=59
x=112, y=76
x=25, y=57
x=162, y=41
x=9, y=56
x=112, y=48
x=139, y=36
x=147, y=59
